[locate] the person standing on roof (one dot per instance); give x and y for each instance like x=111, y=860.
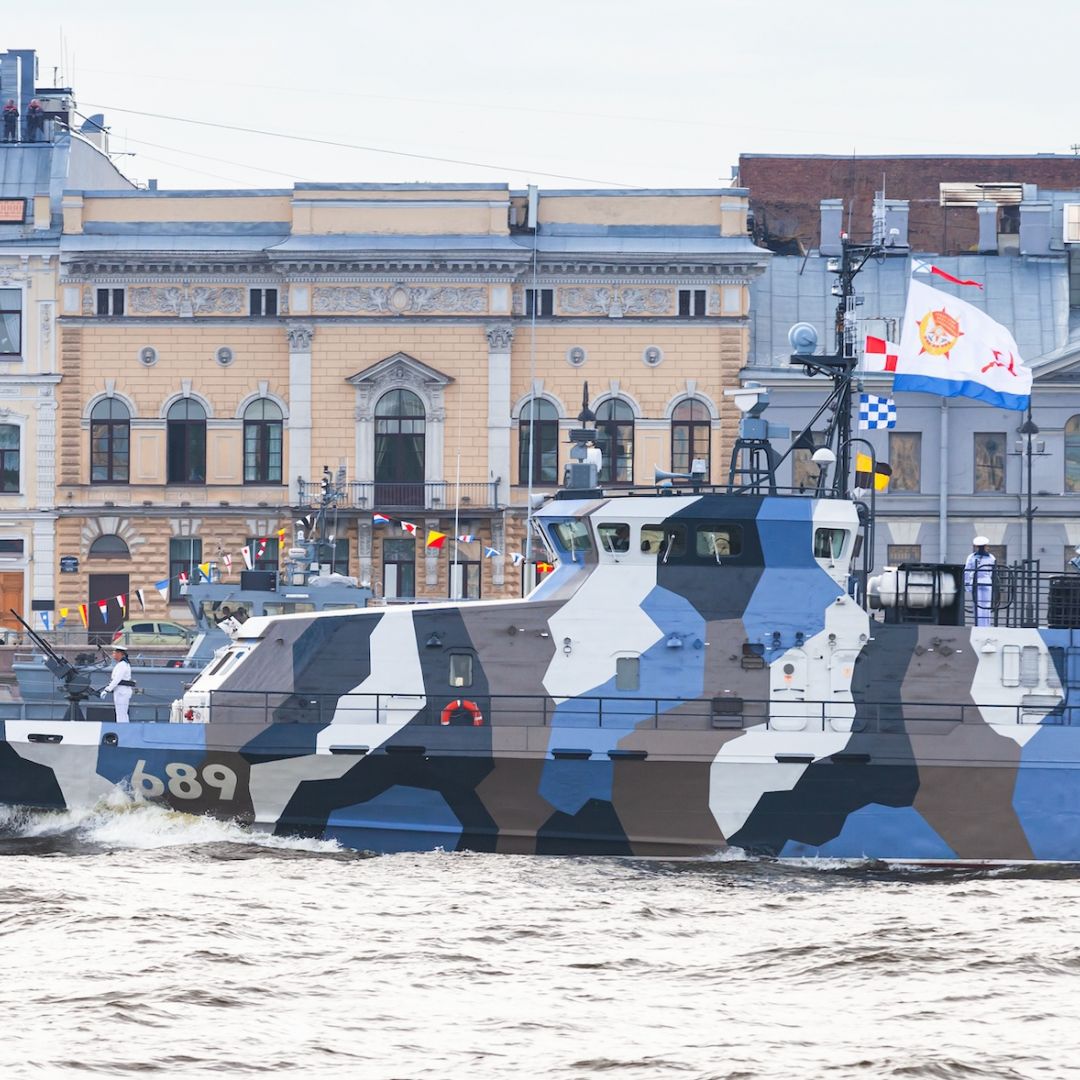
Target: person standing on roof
x=11, y=121
x=121, y=685
x=35, y=120
x=979, y=579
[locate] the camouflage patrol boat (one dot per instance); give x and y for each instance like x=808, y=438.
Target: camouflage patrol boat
x=706, y=667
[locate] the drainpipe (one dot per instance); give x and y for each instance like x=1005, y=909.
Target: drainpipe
x=943, y=483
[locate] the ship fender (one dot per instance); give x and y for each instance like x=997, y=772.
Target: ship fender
x=458, y=705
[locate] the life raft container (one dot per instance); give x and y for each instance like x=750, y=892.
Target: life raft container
x=457, y=706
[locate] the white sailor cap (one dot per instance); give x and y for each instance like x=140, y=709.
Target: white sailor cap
x=980, y=541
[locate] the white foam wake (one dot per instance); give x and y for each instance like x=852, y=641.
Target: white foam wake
x=121, y=821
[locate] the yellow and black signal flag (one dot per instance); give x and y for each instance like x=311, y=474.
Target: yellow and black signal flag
x=866, y=469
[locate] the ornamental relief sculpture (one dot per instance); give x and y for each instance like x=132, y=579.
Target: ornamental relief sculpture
x=400, y=300
x=614, y=301
x=223, y=301
x=153, y=301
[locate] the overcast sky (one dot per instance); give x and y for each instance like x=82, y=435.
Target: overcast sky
x=563, y=93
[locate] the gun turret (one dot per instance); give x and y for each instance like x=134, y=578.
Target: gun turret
x=76, y=680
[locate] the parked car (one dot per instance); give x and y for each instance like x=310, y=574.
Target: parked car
x=153, y=632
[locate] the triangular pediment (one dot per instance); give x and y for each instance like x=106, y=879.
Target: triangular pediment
x=400, y=368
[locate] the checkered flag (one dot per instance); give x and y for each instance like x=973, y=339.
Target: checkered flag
x=876, y=412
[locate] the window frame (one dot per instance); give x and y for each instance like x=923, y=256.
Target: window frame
x=8, y=454
x=109, y=428
x=271, y=557
x=532, y=467
x=193, y=443
x=691, y=425
x=608, y=428
x=896, y=478
x=397, y=558
x=258, y=297
x=693, y=303
x=17, y=313
x=178, y=563
x=978, y=468
x=110, y=301
x=547, y=302
x=260, y=435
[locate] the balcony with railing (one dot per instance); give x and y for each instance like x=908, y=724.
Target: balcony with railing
x=437, y=495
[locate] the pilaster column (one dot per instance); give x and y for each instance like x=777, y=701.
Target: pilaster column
x=499, y=338
x=299, y=463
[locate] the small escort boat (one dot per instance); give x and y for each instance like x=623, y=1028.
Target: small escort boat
x=706, y=667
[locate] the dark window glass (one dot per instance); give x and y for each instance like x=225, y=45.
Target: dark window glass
x=186, y=422
x=691, y=303
x=110, y=442
x=265, y=551
x=335, y=555
x=10, y=322
x=109, y=546
x=691, y=429
x=465, y=580
x=15, y=547
x=615, y=431
x=547, y=302
x=262, y=301
x=185, y=554
x=110, y=301
x=9, y=458
x=461, y=669
x=262, y=442
x=989, y=461
x=400, y=426
x=538, y=443
x=905, y=460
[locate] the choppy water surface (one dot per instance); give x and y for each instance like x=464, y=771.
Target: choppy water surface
x=135, y=940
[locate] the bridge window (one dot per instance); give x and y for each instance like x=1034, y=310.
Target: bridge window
x=614, y=537
x=572, y=536
x=829, y=543
x=664, y=540
x=718, y=540
x=1072, y=454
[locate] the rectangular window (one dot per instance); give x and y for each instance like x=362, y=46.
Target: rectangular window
x=185, y=554
x=716, y=540
x=10, y=322
x=547, y=302
x=460, y=669
x=334, y=556
x=903, y=553
x=804, y=470
x=664, y=541
x=11, y=548
x=627, y=673
x=399, y=568
x=829, y=543
x=464, y=580
x=692, y=303
x=989, y=461
x=264, y=552
x=9, y=458
x=905, y=459
x=110, y=301
x=1071, y=552
x=262, y=301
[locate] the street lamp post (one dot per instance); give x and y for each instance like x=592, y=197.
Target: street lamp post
x=1029, y=449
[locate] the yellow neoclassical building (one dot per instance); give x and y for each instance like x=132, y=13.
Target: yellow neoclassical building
x=426, y=344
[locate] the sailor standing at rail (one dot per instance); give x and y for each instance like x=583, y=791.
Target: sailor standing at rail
x=120, y=685
x=979, y=579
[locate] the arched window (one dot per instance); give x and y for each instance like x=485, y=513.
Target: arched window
x=110, y=442
x=109, y=546
x=1072, y=454
x=187, y=442
x=262, y=442
x=615, y=426
x=399, y=449
x=690, y=435
x=538, y=443
x=9, y=457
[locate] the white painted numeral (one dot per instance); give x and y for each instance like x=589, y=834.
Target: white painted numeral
x=184, y=781
x=222, y=778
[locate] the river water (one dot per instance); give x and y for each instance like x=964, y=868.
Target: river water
x=139, y=941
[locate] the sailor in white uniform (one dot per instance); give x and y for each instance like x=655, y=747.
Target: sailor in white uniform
x=120, y=685
x=979, y=580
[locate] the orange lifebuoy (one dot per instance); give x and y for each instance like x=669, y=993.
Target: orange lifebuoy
x=461, y=703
